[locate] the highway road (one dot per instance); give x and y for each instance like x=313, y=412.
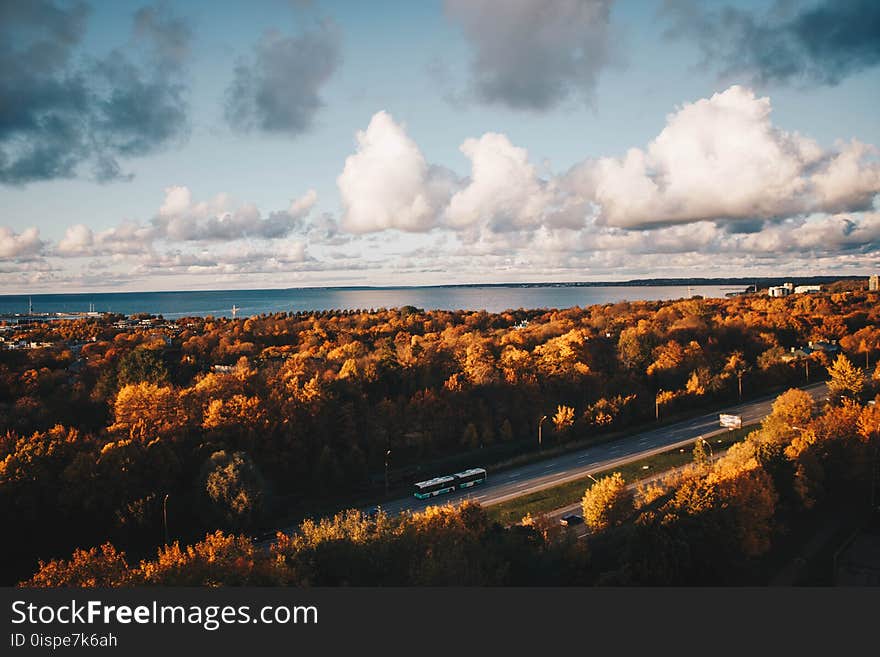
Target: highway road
x=518, y=481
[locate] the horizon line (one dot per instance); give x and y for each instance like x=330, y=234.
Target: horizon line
x=647, y=282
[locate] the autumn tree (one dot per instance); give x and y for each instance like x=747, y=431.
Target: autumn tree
x=152, y=407
x=218, y=560
x=564, y=418
x=794, y=406
x=97, y=567
x=661, y=399
x=238, y=413
x=846, y=379
x=607, y=503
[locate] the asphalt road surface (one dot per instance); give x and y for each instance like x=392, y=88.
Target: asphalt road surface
x=526, y=479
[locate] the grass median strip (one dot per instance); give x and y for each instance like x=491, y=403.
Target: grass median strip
x=555, y=497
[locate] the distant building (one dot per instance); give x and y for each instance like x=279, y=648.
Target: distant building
x=781, y=290
x=789, y=288
x=874, y=283
x=799, y=353
x=823, y=345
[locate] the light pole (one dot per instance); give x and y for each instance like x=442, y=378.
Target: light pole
x=165, y=516
x=540, y=422
x=387, y=454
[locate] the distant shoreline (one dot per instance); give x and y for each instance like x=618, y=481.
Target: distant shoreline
x=761, y=281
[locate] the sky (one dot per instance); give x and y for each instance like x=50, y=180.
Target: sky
x=295, y=143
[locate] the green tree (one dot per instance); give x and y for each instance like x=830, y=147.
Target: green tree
x=234, y=489
x=634, y=347
x=471, y=437
x=701, y=455
x=142, y=365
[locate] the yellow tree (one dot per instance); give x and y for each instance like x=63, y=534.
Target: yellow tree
x=663, y=397
x=793, y=407
x=607, y=503
x=147, y=405
x=564, y=418
x=220, y=559
x=237, y=412
x=846, y=379
x=104, y=567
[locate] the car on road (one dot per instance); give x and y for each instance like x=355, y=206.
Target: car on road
x=571, y=519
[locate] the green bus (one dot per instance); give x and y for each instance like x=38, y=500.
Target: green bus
x=436, y=486
x=449, y=483
x=470, y=477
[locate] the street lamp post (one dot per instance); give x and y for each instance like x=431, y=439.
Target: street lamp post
x=540, y=422
x=165, y=516
x=387, y=454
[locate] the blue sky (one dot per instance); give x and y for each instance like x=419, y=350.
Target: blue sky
x=274, y=144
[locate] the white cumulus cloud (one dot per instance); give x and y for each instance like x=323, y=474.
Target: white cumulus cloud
x=19, y=246
x=505, y=191
x=387, y=183
x=218, y=219
x=722, y=158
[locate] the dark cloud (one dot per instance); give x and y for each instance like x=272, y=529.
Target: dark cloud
x=531, y=54
x=822, y=43
x=278, y=88
x=168, y=36
x=742, y=226
x=61, y=112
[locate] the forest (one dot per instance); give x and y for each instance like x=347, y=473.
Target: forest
x=716, y=522
x=228, y=427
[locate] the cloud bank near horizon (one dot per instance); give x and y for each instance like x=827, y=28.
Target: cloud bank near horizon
x=720, y=186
